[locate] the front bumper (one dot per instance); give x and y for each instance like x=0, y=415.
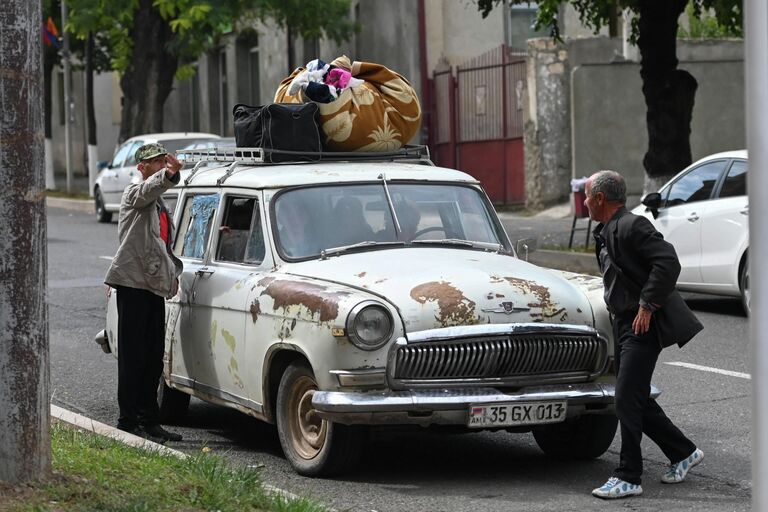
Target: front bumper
x=451, y=406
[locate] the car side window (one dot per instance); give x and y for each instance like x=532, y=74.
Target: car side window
x=122, y=152
x=130, y=159
x=240, y=236
x=195, y=225
x=735, y=183
x=696, y=185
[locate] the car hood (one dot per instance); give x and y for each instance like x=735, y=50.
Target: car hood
x=438, y=287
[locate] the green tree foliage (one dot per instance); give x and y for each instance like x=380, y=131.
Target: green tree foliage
x=669, y=92
x=151, y=42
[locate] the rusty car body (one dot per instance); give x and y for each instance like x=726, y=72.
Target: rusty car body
x=353, y=324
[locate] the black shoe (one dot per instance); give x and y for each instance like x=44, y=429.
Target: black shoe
x=158, y=431
x=142, y=432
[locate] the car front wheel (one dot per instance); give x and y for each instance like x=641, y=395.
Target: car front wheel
x=102, y=215
x=744, y=286
x=586, y=437
x=313, y=446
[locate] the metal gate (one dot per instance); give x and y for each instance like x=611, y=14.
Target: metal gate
x=478, y=121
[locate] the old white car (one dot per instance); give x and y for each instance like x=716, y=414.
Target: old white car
x=374, y=289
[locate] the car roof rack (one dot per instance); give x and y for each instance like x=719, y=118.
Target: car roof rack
x=238, y=157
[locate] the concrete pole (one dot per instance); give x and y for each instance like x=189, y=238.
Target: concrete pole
x=24, y=379
x=756, y=72
x=67, y=95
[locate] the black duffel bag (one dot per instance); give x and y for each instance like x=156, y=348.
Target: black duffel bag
x=282, y=129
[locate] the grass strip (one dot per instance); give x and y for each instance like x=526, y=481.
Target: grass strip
x=92, y=473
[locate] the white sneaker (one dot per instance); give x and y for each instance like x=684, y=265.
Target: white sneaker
x=677, y=471
x=616, y=488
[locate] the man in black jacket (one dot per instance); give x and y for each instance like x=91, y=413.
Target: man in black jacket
x=639, y=270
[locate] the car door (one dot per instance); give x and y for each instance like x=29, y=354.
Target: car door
x=110, y=185
x=127, y=172
x=686, y=201
x=221, y=292
x=192, y=355
x=725, y=231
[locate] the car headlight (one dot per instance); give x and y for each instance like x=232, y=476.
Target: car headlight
x=369, y=325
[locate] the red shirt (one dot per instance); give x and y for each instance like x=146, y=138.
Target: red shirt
x=164, y=226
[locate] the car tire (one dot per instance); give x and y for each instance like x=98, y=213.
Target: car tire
x=744, y=286
x=173, y=403
x=102, y=215
x=586, y=437
x=314, y=446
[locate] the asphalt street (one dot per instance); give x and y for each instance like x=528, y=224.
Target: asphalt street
x=429, y=470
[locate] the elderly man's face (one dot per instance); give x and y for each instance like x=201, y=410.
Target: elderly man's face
x=594, y=203
x=150, y=166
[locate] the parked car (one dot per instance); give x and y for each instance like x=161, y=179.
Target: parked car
x=704, y=213
x=375, y=289
x=112, y=180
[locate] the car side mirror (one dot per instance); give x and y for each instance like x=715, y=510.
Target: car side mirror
x=525, y=246
x=652, y=201
x=102, y=164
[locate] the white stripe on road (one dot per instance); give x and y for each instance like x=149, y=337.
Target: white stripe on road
x=710, y=369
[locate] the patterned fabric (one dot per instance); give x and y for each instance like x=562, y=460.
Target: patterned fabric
x=382, y=114
x=679, y=470
x=150, y=150
x=617, y=488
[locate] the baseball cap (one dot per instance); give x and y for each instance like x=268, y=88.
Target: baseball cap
x=150, y=150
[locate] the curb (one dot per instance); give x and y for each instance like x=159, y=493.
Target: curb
x=102, y=429
x=570, y=261
x=80, y=205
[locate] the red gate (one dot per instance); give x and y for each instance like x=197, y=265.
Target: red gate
x=478, y=121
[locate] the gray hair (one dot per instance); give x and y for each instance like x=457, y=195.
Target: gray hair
x=611, y=184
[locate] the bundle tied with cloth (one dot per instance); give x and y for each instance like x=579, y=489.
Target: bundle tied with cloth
x=363, y=106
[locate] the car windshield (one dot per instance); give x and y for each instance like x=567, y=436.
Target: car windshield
x=311, y=221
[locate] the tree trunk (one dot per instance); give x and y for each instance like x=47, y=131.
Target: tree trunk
x=149, y=80
x=25, y=451
x=669, y=92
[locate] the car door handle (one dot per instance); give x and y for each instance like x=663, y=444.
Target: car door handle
x=693, y=217
x=745, y=210
x=203, y=271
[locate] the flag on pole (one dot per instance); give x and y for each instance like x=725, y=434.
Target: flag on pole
x=51, y=34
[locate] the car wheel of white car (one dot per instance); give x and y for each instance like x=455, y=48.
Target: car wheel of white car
x=102, y=215
x=172, y=402
x=313, y=446
x=744, y=285
x=586, y=437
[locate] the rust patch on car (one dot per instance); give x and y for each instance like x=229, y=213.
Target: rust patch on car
x=255, y=310
x=361, y=274
x=317, y=299
x=548, y=308
x=380, y=280
x=266, y=281
x=496, y=279
x=454, y=307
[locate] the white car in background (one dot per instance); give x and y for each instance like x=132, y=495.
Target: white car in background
x=704, y=213
x=112, y=180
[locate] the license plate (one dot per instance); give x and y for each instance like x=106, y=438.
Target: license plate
x=516, y=414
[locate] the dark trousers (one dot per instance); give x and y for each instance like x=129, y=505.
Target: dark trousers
x=638, y=414
x=140, y=346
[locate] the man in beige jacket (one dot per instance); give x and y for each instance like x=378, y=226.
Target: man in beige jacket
x=144, y=272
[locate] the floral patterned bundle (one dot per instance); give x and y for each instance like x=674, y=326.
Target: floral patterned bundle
x=381, y=114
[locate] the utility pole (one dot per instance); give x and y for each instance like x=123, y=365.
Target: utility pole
x=68, y=105
x=24, y=379
x=756, y=73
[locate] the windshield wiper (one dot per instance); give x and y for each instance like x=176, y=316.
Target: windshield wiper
x=331, y=251
x=486, y=246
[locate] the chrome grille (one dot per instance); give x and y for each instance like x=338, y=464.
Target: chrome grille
x=501, y=357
